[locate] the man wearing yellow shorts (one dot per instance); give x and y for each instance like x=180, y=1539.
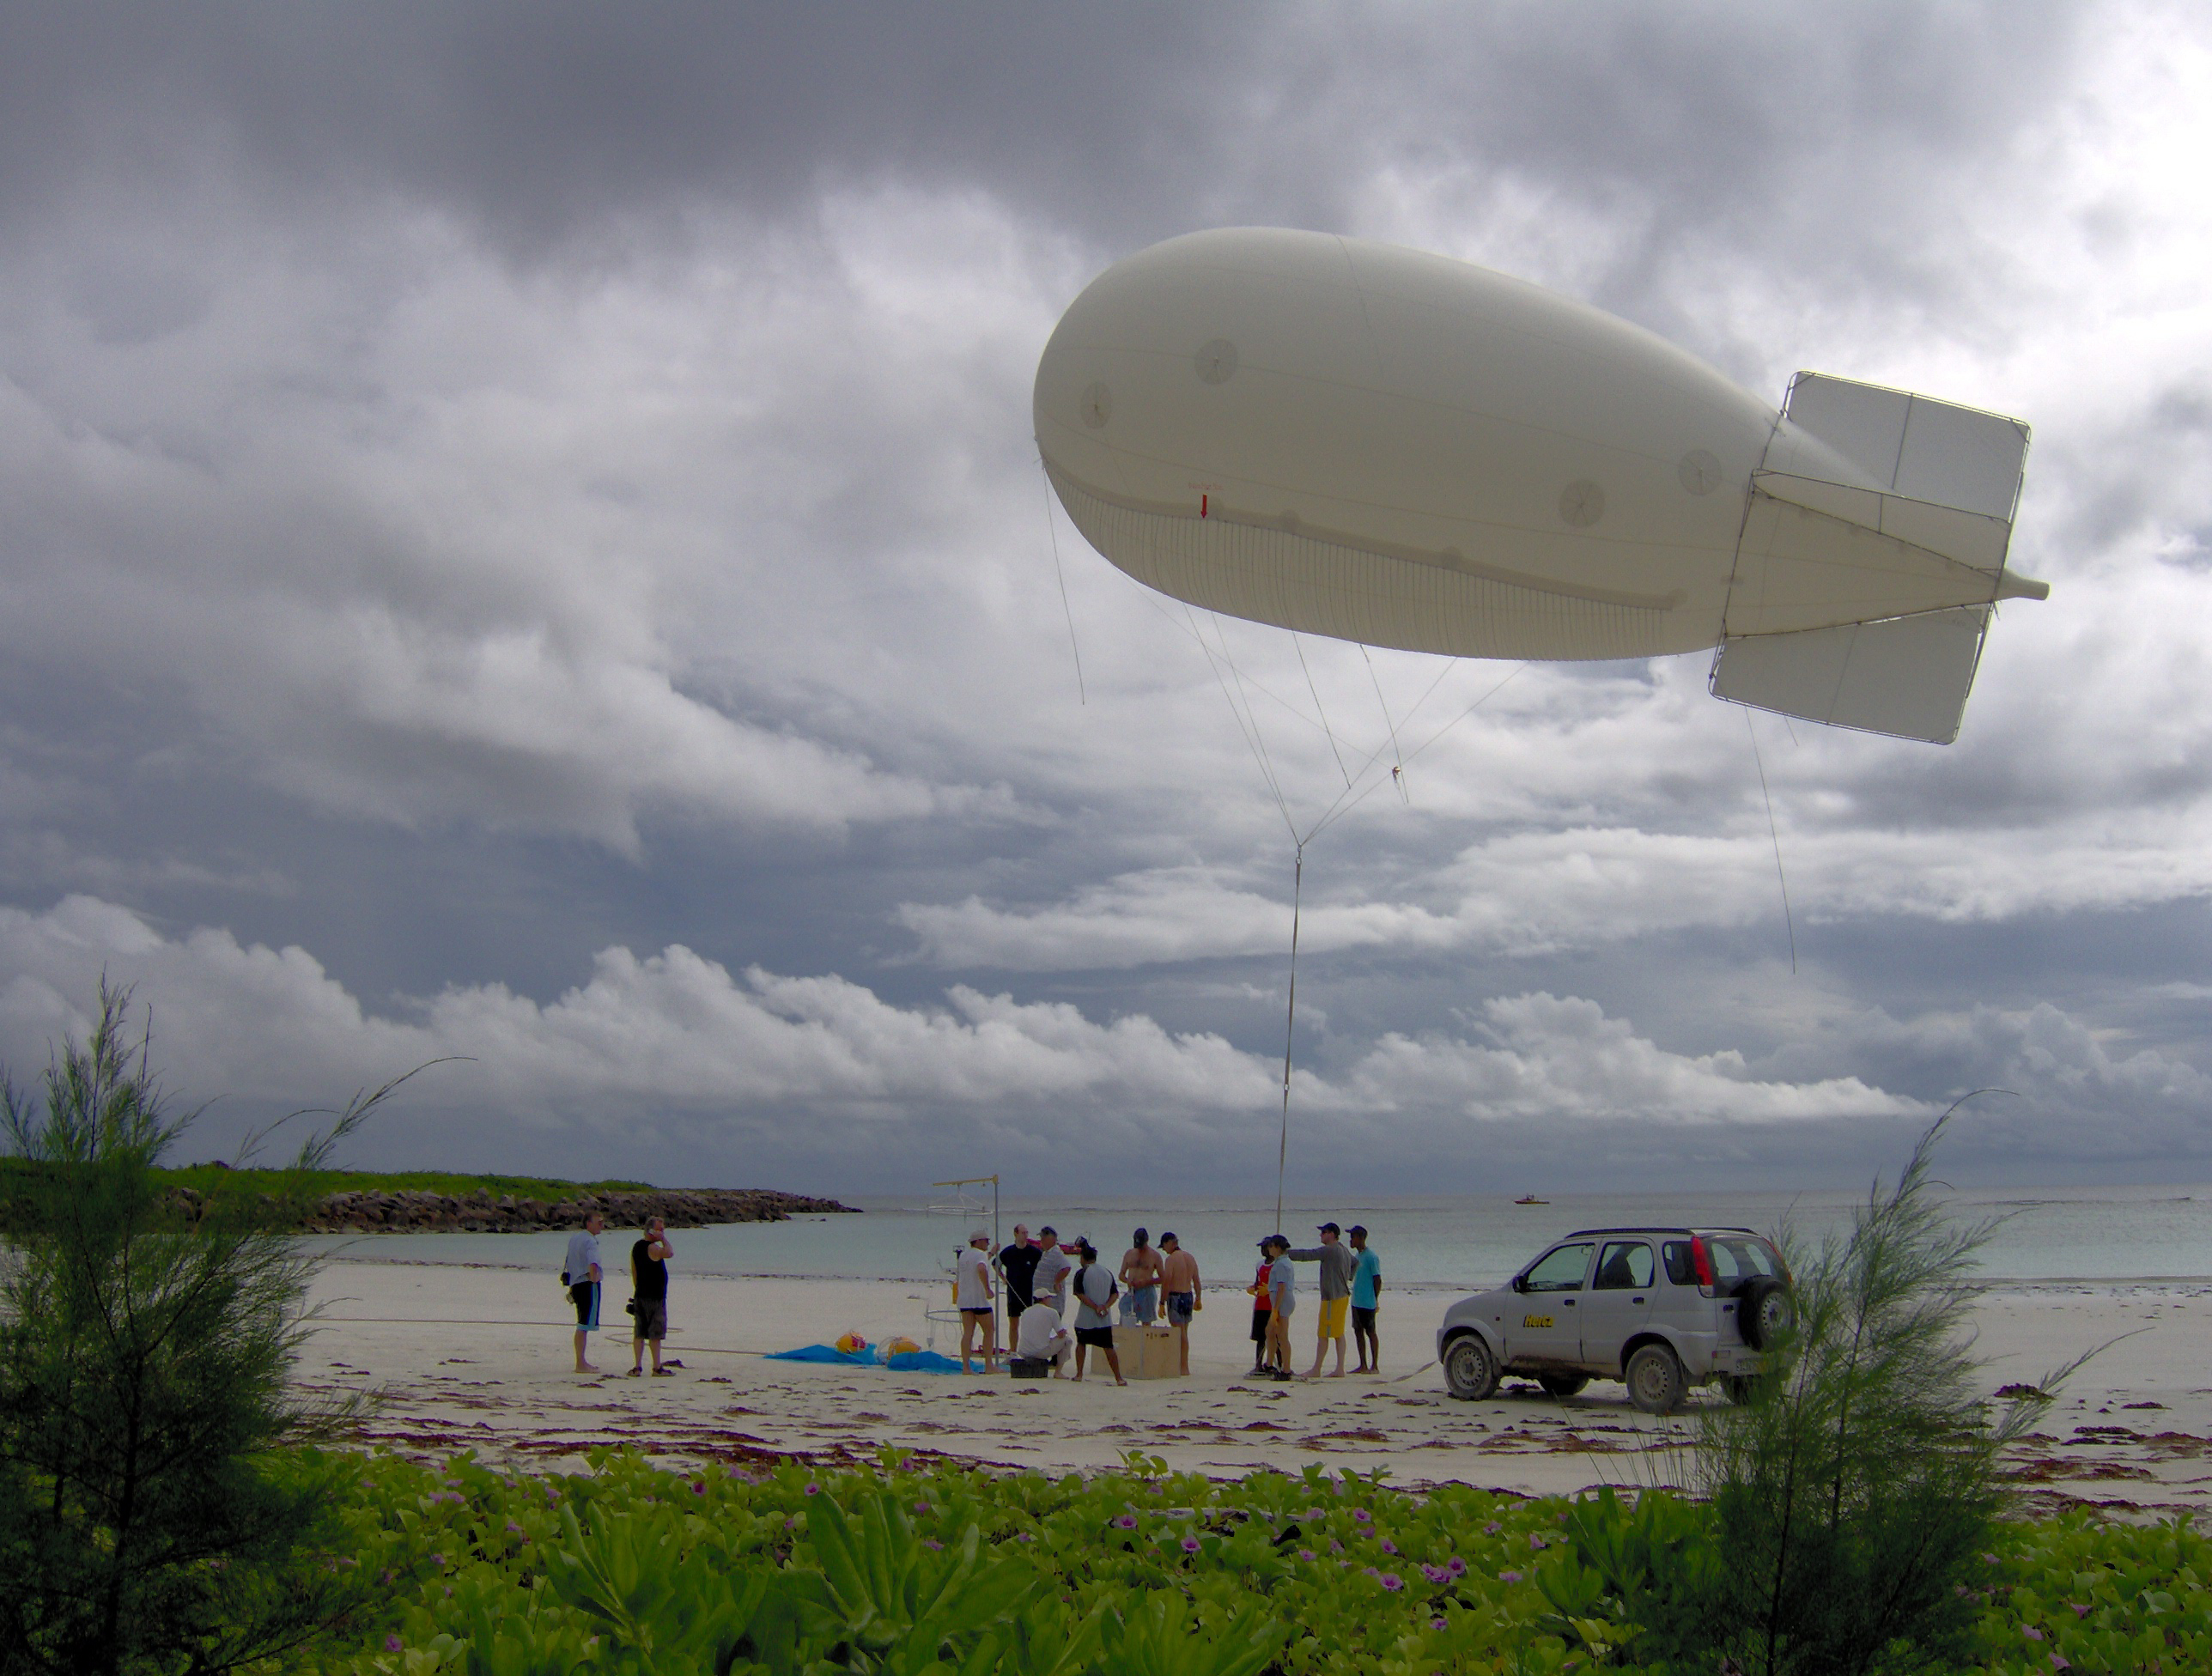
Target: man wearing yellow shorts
x=1338, y=1266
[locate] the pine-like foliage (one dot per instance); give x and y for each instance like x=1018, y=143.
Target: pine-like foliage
x=1853, y=1499
x=152, y=1517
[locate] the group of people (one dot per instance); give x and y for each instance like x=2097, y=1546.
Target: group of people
x=1037, y=1279
x=1038, y=1276
x=1351, y=1286
x=648, y=1305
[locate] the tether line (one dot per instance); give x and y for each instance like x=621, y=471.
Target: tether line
x=1051, y=528
x=1290, y=1024
x=1774, y=833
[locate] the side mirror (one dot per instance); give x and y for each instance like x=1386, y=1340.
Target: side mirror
x=1520, y=1283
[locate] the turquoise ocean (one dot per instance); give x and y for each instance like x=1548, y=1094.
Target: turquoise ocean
x=2100, y=1235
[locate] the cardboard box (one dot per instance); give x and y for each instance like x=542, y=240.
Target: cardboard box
x=1148, y=1352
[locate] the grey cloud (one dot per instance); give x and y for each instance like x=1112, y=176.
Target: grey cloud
x=546, y=121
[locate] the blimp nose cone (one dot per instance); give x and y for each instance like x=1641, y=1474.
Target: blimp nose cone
x=1351, y=439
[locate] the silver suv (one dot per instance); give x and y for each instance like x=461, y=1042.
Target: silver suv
x=1663, y=1308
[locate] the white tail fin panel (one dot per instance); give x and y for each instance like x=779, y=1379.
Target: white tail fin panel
x=1907, y=677
x=1921, y=449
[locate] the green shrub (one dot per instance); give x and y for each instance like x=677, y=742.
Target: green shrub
x=152, y=1517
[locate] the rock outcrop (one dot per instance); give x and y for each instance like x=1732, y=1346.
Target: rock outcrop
x=422, y=1212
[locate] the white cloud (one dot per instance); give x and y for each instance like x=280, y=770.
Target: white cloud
x=1551, y=1058
x=676, y=1031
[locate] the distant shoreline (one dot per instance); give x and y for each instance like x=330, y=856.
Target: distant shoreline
x=372, y=1210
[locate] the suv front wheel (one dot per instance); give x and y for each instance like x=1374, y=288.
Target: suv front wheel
x=1654, y=1375
x=1470, y=1370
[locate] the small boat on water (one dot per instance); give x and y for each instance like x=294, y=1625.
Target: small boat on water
x=1531, y=1199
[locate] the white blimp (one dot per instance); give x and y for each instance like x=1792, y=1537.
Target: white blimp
x=1384, y=446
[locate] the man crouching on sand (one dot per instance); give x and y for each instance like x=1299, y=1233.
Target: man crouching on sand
x=1094, y=1327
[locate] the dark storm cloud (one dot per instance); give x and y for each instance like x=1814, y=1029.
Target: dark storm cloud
x=544, y=121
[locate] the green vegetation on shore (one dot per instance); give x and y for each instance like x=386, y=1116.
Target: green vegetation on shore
x=778, y=1569
x=321, y=1183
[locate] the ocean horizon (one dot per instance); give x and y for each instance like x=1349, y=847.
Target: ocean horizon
x=2147, y=1233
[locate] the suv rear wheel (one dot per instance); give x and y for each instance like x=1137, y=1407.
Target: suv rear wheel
x=1764, y=1312
x=1562, y=1385
x=1654, y=1379
x=1470, y=1370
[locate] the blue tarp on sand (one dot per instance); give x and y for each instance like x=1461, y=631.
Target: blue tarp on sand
x=912, y=1361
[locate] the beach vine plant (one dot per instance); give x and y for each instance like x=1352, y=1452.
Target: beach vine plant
x=796, y=1569
x=154, y=1515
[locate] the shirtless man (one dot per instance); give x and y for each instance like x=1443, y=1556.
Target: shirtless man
x=1140, y=1280
x=1179, y=1281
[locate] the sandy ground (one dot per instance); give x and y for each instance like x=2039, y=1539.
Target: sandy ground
x=481, y=1358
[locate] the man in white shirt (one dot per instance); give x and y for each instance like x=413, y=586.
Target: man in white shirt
x=973, y=1298
x=1041, y=1336
x=1053, y=1267
x=580, y=1272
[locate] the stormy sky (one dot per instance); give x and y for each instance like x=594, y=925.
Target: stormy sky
x=521, y=544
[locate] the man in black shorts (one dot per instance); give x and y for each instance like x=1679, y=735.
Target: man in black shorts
x=1018, y=1264
x=648, y=1274
x=1094, y=1327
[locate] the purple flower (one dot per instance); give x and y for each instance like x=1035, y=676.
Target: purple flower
x=926, y=1543
x=438, y=1560
x=1393, y=1581
x=1305, y=1553
x=814, y=1490
x=2033, y=1633
x=1537, y=1541
x=1190, y=1545
x=1492, y=1528
x=1456, y=1566
x=1436, y=1574
x=514, y=1529
x=922, y=1507
x=2079, y=1612
x=1334, y=1546
x=1440, y=1624
x=1024, y=1536
x=1360, y=1513
x=1388, y=1546
x=552, y=1497
x=1127, y=1521
x=2060, y=1661
x=698, y=1489
x=393, y=1644
x=1508, y=1576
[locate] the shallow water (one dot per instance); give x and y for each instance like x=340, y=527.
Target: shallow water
x=2103, y=1234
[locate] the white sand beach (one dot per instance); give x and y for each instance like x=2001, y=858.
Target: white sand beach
x=479, y=1357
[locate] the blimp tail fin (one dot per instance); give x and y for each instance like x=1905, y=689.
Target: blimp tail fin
x=1935, y=452
x=1907, y=676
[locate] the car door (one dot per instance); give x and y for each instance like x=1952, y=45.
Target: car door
x=1548, y=1328
x=1618, y=1303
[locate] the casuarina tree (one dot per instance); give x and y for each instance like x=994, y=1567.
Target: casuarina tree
x=155, y=1513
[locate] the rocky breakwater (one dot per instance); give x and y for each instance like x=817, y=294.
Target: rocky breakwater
x=424, y=1212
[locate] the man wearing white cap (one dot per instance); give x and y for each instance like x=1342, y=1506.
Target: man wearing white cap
x=973, y=1298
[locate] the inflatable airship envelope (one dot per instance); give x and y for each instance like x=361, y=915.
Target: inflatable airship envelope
x=1383, y=446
